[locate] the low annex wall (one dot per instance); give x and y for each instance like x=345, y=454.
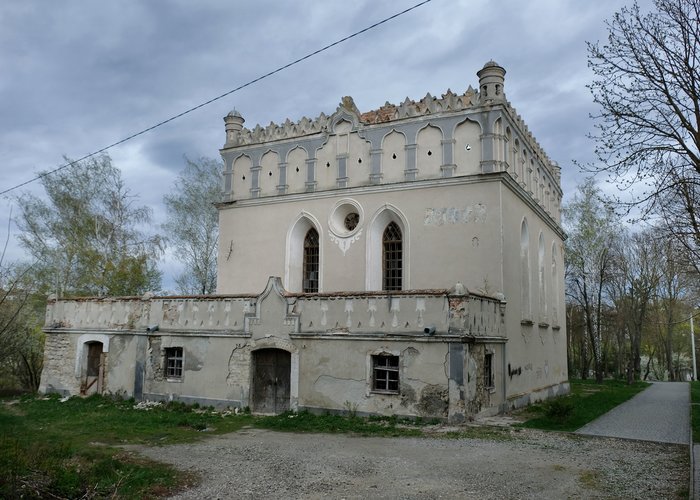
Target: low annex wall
x=331, y=339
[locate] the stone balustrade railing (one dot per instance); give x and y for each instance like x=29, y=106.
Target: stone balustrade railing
x=430, y=312
x=224, y=314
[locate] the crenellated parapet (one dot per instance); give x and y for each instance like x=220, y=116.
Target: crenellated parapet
x=532, y=143
x=448, y=102
x=435, y=137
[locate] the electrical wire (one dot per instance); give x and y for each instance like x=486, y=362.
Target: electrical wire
x=214, y=99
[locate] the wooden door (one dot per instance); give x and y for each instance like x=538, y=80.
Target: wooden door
x=94, y=371
x=271, y=376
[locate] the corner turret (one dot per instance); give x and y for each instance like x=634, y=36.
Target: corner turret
x=234, y=124
x=491, y=82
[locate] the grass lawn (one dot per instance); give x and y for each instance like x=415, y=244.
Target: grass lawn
x=695, y=410
x=586, y=402
x=69, y=449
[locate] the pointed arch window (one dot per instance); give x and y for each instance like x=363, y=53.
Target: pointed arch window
x=525, y=271
x=311, y=260
x=392, y=243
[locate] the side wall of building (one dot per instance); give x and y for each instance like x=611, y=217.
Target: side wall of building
x=536, y=364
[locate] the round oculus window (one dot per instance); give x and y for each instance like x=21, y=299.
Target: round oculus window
x=345, y=219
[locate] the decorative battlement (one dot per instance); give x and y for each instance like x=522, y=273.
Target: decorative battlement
x=476, y=132
x=491, y=82
x=449, y=102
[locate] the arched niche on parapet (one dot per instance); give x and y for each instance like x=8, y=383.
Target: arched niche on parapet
x=393, y=157
x=269, y=173
x=467, y=147
x=242, y=177
x=297, y=170
x=429, y=156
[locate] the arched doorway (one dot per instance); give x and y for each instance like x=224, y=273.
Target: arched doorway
x=271, y=381
x=93, y=373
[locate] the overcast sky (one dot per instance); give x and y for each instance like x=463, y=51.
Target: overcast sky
x=76, y=76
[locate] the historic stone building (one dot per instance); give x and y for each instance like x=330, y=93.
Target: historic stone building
x=410, y=261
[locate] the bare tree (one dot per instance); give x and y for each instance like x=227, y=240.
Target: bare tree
x=632, y=287
x=647, y=84
x=592, y=229
x=193, y=224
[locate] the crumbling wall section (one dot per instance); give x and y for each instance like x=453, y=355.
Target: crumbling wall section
x=154, y=365
x=478, y=396
x=58, y=374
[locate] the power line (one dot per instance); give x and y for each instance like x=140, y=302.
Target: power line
x=205, y=103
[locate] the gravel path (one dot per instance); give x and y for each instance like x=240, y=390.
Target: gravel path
x=659, y=413
x=256, y=463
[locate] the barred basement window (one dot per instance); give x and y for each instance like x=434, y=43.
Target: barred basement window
x=173, y=362
x=488, y=371
x=392, y=258
x=385, y=373
x=311, y=267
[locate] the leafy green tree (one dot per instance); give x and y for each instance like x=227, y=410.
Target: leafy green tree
x=592, y=229
x=84, y=234
x=647, y=86
x=193, y=224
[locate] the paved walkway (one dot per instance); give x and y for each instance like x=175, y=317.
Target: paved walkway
x=659, y=413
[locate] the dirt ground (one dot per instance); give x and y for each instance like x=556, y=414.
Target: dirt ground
x=256, y=463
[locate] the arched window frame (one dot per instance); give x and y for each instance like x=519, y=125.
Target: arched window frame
x=555, y=286
x=541, y=279
x=374, y=249
x=525, y=271
x=310, y=266
x=392, y=257
x=294, y=253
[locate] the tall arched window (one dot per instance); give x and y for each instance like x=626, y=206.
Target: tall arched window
x=311, y=253
x=392, y=257
x=542, y=289
x=555, y=286
x=525, y=270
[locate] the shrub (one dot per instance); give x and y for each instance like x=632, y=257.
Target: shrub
x=559, y=409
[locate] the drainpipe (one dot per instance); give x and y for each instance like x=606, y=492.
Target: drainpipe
x=503, y=375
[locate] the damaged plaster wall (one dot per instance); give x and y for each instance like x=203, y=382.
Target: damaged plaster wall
x=344, y=382
x=206, y=376
x=58, y=374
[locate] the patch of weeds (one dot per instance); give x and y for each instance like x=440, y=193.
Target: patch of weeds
x=559, y=409
x=477, y=432
x=309, y=422
x=350, y=408
x=590, y=479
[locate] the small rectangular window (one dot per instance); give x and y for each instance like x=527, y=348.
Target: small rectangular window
x=173, y=362
x=385, y=373
x=488, y=371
